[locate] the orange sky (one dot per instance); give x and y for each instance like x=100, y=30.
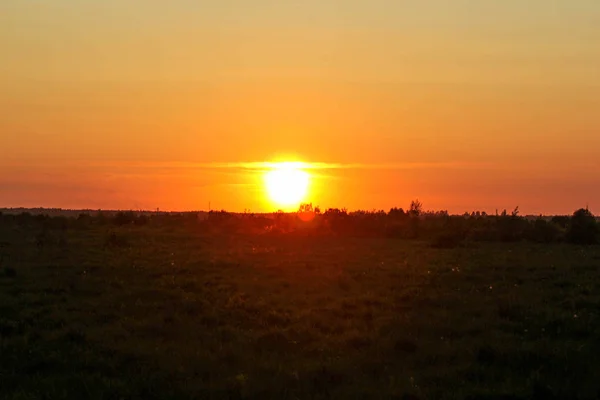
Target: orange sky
x=136, y=104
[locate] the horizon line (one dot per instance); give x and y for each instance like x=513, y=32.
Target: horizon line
x=266, y=212
x=259, y=165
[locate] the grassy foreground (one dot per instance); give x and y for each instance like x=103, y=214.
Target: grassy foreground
x=151, y=312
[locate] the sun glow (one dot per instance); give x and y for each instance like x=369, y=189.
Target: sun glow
x=287, y=184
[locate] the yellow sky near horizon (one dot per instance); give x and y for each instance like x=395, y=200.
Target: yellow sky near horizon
x=476, y=105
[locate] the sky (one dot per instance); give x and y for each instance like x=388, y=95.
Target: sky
x=465, y=105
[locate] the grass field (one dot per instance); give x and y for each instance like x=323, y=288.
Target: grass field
x=167, y=312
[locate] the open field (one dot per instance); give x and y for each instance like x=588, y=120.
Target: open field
x=174, y=312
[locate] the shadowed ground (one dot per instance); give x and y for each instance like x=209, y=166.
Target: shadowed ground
x=167, y=312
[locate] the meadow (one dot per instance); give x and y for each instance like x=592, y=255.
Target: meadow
x=176, y=310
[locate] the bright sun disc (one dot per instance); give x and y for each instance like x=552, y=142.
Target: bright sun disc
x=287, y=184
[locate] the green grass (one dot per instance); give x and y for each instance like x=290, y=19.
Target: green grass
x=150, y=312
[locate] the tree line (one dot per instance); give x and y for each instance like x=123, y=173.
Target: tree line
x=438, y=227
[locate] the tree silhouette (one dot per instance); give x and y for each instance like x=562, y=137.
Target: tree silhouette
x=416, y=208
x=306, y=208
x=583, y=228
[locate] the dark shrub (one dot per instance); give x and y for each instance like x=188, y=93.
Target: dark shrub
x=542, y=231
x=416, y=208
x=583, y=228
x=397, y=214
x=561, y=221
x=511, y=228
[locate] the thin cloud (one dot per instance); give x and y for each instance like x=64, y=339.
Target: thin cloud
x=330, y=166
x=261, y=166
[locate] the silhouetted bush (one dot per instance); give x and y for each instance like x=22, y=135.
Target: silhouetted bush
x=562, y=221
x=511, y=228
x=307, y=213
x=583, y=228
x=416, y=208
x=397, y=214
x=542, y=231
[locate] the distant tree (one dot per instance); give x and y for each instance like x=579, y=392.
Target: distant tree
x=336, y=212
x=306, y=212
x=511, y=228
x=396, y=213
x=583, y=228
x=306, y=208
x=416, y=208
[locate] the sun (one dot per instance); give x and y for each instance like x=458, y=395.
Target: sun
x=287, y=184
